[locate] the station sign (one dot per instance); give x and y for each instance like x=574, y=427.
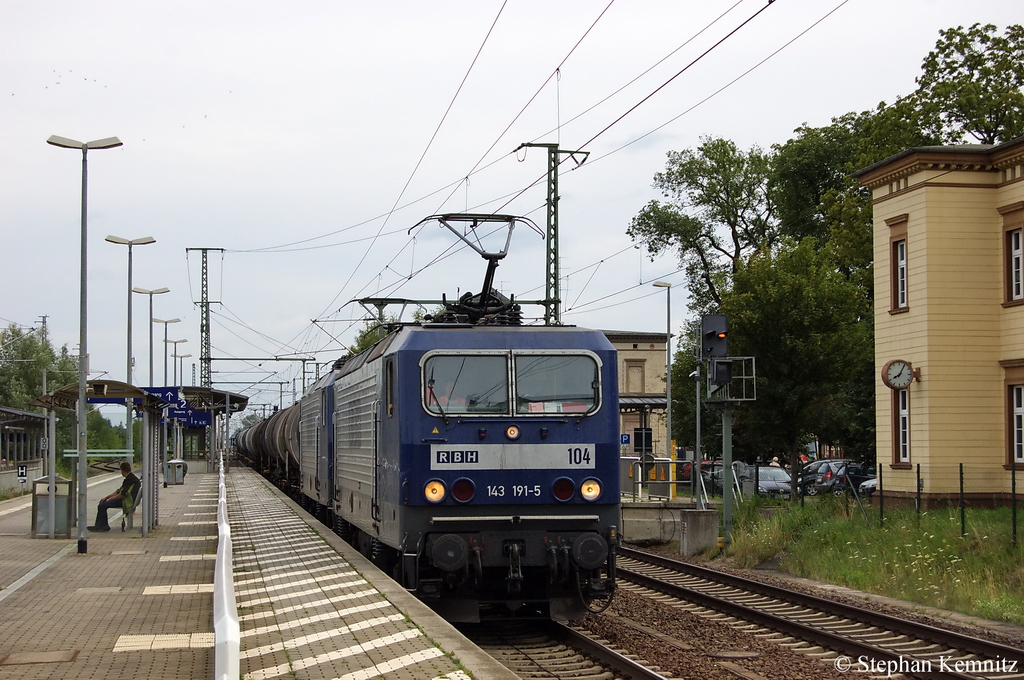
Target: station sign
x=179, y=409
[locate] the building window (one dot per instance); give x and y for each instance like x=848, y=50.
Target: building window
x=1013, y=245
x=1017, y=423
x=899, y=273
x=636, y=380
x=1013, y=253
x=1013, y=381
x=902, y=426
x=899, y=254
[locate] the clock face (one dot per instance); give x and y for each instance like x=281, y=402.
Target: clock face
x=897, y=374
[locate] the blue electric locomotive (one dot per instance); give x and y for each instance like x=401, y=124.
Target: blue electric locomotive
x=475, y=462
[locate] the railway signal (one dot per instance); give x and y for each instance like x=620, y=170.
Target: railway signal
x=714, y=334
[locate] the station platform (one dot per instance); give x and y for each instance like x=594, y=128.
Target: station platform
x=310, y=606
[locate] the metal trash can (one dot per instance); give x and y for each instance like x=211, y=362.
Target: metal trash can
x=174, y=471
x=748, y=488
x=61, y=507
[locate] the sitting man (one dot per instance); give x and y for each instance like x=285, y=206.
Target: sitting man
x=130, y=486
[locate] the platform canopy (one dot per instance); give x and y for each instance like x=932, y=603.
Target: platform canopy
x=99, y=392
x=12, y=417
x=211, y=400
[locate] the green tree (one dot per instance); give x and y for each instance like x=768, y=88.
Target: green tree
x=972, y=83
x=803, y=321
x=23, y=356
x=101, y=434
x=813, y=164
x=719, y=211
x=371, y=333
x=727, y=211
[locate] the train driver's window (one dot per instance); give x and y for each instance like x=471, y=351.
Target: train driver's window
x=466, y=383
x=558, y=383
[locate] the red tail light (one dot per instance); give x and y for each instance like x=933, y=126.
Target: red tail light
x=563, y=488
x=463, y=490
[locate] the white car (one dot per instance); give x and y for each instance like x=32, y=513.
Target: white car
x=868, y=486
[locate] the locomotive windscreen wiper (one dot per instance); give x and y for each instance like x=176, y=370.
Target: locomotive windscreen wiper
x=433, y=397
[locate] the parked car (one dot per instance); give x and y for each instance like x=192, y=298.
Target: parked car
x=837, y=477
x=868, y=487
x=711, y=471
x=684, y=468
x=771, y=480
x=807, y=484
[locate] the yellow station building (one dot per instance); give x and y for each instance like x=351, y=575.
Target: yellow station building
x=949, y=321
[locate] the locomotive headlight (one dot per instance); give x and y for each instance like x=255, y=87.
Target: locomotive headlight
x=434, y=491
x=512, y=432
x=590, y=489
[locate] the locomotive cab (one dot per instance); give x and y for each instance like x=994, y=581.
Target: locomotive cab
x=506, y=463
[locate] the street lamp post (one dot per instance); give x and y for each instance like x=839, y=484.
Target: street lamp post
x=182, y=363
x=175, y=354
x=83, y=355
x=165, y=322
x=668, y=365
x=151, y=293
x=128, y=421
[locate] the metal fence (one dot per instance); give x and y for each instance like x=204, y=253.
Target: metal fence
x=924, y=488
x=959, y=486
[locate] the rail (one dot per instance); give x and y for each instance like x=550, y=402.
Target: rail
x=226, y=628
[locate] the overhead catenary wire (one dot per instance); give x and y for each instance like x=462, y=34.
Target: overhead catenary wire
x=540, y=89
x=577, y=306
x=723, y=87
x=398, y=200
x=554, y=74
x=650, y=95
x=287, y=247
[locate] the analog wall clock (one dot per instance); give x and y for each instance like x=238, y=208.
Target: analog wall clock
x=898, y=374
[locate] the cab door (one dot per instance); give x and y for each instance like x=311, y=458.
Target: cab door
x=378, y=468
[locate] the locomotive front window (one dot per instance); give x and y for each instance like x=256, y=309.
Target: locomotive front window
x=557, y=383
x=466, y=383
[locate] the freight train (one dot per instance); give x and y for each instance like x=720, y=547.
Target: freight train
x=473, y=458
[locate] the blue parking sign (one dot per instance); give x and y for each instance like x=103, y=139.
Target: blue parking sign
x=624, y=439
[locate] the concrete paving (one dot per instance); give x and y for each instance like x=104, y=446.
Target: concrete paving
x=134, y=607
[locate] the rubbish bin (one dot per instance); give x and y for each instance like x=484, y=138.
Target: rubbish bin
x=748, y=488
x=41, y=508
x=175, y=470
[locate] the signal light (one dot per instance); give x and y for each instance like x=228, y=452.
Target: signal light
x=714, y=334
x=721, y=371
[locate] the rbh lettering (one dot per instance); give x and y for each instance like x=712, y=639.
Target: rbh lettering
x=455, y=457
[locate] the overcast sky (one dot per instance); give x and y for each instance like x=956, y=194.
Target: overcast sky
x=306, y=139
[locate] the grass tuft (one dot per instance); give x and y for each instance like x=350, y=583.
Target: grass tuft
x=921, y=559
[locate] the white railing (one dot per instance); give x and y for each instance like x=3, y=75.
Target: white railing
x=226, y=630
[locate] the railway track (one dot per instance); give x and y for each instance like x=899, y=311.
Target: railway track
x=869, y=641
x=550, y=650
